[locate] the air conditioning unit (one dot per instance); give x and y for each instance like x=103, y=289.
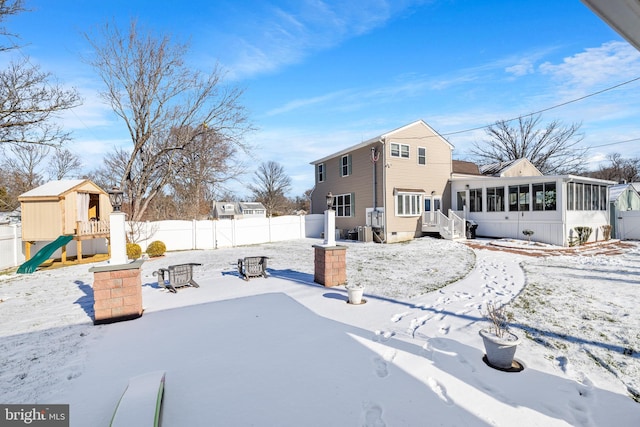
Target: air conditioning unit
x=365, y=234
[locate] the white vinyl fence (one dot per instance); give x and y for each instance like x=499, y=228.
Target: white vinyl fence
x=187, y=235
x=627, y=226
x=190, y=235
x=11, y=253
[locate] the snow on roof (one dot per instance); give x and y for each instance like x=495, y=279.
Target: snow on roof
x=495, y=169
x=53, y=188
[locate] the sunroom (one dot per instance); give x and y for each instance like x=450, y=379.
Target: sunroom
x=559, y=210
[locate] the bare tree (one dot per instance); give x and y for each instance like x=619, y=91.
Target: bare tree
x=271, y=184
x=8, y=8
x=151, y=89
x=21, y=171
x=30, y=102
x=201, y=170
x=63, y=163
x=553, y=148
x=619, y=169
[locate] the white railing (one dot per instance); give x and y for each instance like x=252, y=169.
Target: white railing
x=457, y=225
x=449, y=227
x=430, y=219
x=89, y=228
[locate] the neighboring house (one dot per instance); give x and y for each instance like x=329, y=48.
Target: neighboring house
x=624, y=202
x=404, y=183
x=77, y=208
x=238, y=210
x=385, y=182
x=252, y=210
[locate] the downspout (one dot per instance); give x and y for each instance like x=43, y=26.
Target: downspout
x=374, y=158
x=384, y=189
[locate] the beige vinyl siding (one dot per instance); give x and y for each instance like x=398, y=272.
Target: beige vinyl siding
x=522, y=168
x=42, y=220
x=359, y=183
x=406, y=173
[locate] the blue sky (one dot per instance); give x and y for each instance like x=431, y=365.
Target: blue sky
x=323, y=75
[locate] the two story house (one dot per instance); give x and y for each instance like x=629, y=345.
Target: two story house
x=385, y=184
x=404, y=183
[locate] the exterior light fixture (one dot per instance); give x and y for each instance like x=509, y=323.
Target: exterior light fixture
x=115, y=197
x=329, y=201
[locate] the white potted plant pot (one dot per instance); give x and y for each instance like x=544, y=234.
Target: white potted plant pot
x=500, y=350
x=355, y=293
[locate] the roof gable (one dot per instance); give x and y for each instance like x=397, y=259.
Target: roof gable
x=58, y=188
x=382, y=139
x=509, y=168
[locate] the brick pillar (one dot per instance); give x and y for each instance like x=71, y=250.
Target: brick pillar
x=117, y=292
x=330, y=265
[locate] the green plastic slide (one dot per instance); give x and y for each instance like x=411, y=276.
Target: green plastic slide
x=44, y=254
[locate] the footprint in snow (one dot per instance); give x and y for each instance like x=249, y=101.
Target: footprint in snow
x=383, y=336
x=382, y=364
x=444, y=329
x=398, y=317
x=372, y=415
x=427, y=350
x=439, y=390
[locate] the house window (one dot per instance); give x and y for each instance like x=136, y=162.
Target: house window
x=343, y=205
x=519, y=198
x=320, y=172
x=408, y=204
x=399, y=150
x=461, y=199
x=571, y=194
x=345, y=165
x=579, y=196
x=422, y=156
x=586, y=197
x=475, y=200
x=495, y=199
x=544, y=196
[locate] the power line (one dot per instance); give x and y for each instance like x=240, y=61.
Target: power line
x=614, y=143
x=548, y=108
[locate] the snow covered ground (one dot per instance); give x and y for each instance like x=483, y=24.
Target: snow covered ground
x=286, y=351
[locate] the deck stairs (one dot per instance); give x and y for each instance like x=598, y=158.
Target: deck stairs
x=451, y=226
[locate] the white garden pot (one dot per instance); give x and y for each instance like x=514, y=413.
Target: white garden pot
x=500, y=350
x=355, y=293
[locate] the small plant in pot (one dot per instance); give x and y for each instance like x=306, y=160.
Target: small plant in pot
x=355, y=291
x=500, y=344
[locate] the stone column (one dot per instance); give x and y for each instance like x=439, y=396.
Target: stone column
x=117, y=292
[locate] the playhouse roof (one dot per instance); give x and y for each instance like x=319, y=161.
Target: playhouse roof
x=55, y=188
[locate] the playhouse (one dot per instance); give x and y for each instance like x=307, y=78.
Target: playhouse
x=69, y=216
